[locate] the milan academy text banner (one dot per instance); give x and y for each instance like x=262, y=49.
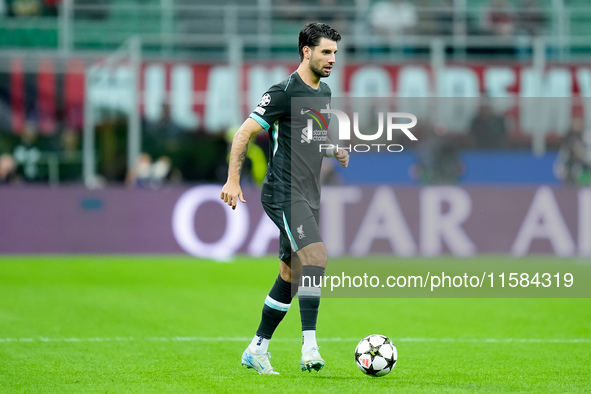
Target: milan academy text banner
x=206, y=96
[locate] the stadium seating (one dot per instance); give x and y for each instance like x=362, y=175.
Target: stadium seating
x=106, y=24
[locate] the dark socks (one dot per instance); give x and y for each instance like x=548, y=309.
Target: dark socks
x=309, y=295
x=276, y=306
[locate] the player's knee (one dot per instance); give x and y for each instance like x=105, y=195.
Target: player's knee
x=319, y=261
x=286, y=276
x=296, y=272
x=323, y=256
x=318, y=256
x=285, y=272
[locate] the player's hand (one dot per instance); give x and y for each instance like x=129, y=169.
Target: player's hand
x=342, y=157
x=231, y=192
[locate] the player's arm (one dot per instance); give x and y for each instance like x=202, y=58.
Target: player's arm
x=231, y=191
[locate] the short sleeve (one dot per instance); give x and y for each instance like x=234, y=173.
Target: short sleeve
x=273, y=105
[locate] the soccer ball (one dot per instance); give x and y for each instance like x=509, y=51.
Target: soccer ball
x=376, y=355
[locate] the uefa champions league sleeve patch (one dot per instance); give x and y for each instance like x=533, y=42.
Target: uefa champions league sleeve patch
x=265, y=100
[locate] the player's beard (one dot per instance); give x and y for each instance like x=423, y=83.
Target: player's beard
x=317, y=68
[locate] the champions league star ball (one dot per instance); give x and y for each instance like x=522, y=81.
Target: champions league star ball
x=376, y=355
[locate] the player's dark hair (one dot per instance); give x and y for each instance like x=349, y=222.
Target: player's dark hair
x=311, y=34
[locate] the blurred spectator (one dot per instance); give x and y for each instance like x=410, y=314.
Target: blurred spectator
x=438, y=159
x=391, y=18
x=70, y=143
x=29, y=7
x=334, y=18
x=148, y=175
x=444, y=19
x=92, y=9
x=530, y=24
x=70, y=168
x=139, y=176
x=165, y=126
x=27, y=154
x=165, y=132
x=163, y=172
x=25, y=7
x=498, y=18
x=50, y=7
x=292, y=12
x=111, y=140
x=532, y=19
x=7, y=170
x=5, y=110
x=451, y=18
x=488, y=130
x=573, y=165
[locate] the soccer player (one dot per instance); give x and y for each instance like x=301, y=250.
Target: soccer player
x=291, y=191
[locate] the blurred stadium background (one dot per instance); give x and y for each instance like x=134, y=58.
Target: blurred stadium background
x=99, y=98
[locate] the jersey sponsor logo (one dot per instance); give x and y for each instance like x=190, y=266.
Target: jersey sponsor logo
x=260, y=110
x=300, y=230
x=310, y=134
x=265, y=100
x=316, y=116
x=305, y=137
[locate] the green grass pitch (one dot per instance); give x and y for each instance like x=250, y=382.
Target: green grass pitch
x=180, y=324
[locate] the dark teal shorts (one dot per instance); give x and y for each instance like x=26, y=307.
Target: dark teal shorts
x=298, y=225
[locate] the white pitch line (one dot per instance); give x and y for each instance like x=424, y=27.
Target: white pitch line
x=246, y=339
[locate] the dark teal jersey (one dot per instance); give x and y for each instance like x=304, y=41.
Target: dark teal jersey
x=293, y=173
